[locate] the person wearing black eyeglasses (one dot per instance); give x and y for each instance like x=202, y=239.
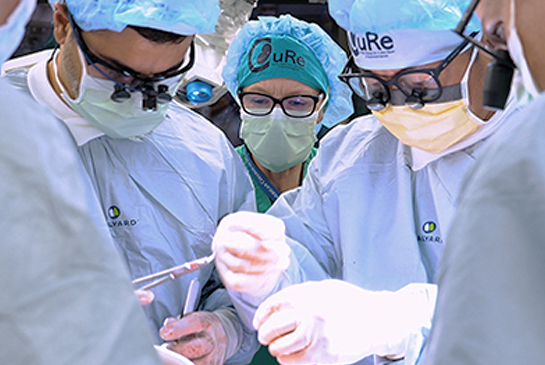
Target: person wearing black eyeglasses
x=490, y=304
x=377, y=204
x=286, y=84
x=283, y=72
x=162, y=175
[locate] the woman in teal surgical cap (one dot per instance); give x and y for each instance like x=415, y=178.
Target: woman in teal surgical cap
x=283, y=73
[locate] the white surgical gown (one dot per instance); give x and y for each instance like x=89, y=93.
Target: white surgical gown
x=490, y=306
x=65, y=295
x=162, y=195
x=372, y=211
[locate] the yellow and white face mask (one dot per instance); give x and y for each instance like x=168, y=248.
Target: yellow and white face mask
x=435, y=127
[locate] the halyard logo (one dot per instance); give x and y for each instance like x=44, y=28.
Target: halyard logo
x=429, y=227
x=114, y=212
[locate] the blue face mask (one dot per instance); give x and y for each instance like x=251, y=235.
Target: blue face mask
x=12, y=32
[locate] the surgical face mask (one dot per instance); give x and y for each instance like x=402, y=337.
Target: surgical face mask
x=278, y=141
x=435, y=127
x=12, y=32
x=116, y=119
x=529, y=88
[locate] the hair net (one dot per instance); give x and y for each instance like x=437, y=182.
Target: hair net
x=330, y=54
x=359, y=16
x=184, y=17
x=397, y=34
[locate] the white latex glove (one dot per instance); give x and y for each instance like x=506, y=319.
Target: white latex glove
x=145, y=297
x=334, y=322
x=251, y=252
x=199, y=336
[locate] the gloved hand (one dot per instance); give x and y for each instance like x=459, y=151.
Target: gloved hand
x=144, y=296
x=199, y=336
x=251, y=252
x=334, y=322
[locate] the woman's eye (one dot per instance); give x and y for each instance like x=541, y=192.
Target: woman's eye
x=297, y=103
x=259, y=101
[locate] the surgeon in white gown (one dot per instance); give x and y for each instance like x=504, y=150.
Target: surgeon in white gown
x=66, y=296
x=162, y=175
x=378, y=201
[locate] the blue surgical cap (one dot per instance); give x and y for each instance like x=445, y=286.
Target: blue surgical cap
x=398, y=34
x=330, y=55
x=360, y=16
x=184, y=17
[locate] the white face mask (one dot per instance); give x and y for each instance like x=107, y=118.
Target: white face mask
x=278, y=141
x=13, y=30
x=116, y=119
x=516, y=51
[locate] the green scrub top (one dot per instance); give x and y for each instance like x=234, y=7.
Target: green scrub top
x=262, y=200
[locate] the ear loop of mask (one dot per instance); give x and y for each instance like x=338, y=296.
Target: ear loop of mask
x=64, y=93
x=464, y=86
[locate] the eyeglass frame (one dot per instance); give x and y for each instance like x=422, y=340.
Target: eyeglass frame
x=315, y=98
x=93, y=59
x=345, y=76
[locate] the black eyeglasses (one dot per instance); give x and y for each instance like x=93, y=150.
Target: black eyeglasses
x=297, y=106
x=127, y=80
x=418, y=86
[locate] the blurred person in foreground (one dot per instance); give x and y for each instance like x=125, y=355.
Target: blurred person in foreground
x=162, y=175
x=283, y=72
x=66, y=296
x=490, y=301
x=377, y=203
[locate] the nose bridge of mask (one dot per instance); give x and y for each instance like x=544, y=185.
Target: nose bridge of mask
x=277, y=121
x=292, y=127
x=420, y=118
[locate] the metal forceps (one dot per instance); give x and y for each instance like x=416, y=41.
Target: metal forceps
x=173, y=273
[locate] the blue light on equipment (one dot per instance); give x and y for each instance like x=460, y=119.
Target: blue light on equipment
x=198, y=91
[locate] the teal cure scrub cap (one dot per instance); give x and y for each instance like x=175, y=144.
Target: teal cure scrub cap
x=398, y=34
x=328, y=60
x=280, y=55
x=183, y=17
